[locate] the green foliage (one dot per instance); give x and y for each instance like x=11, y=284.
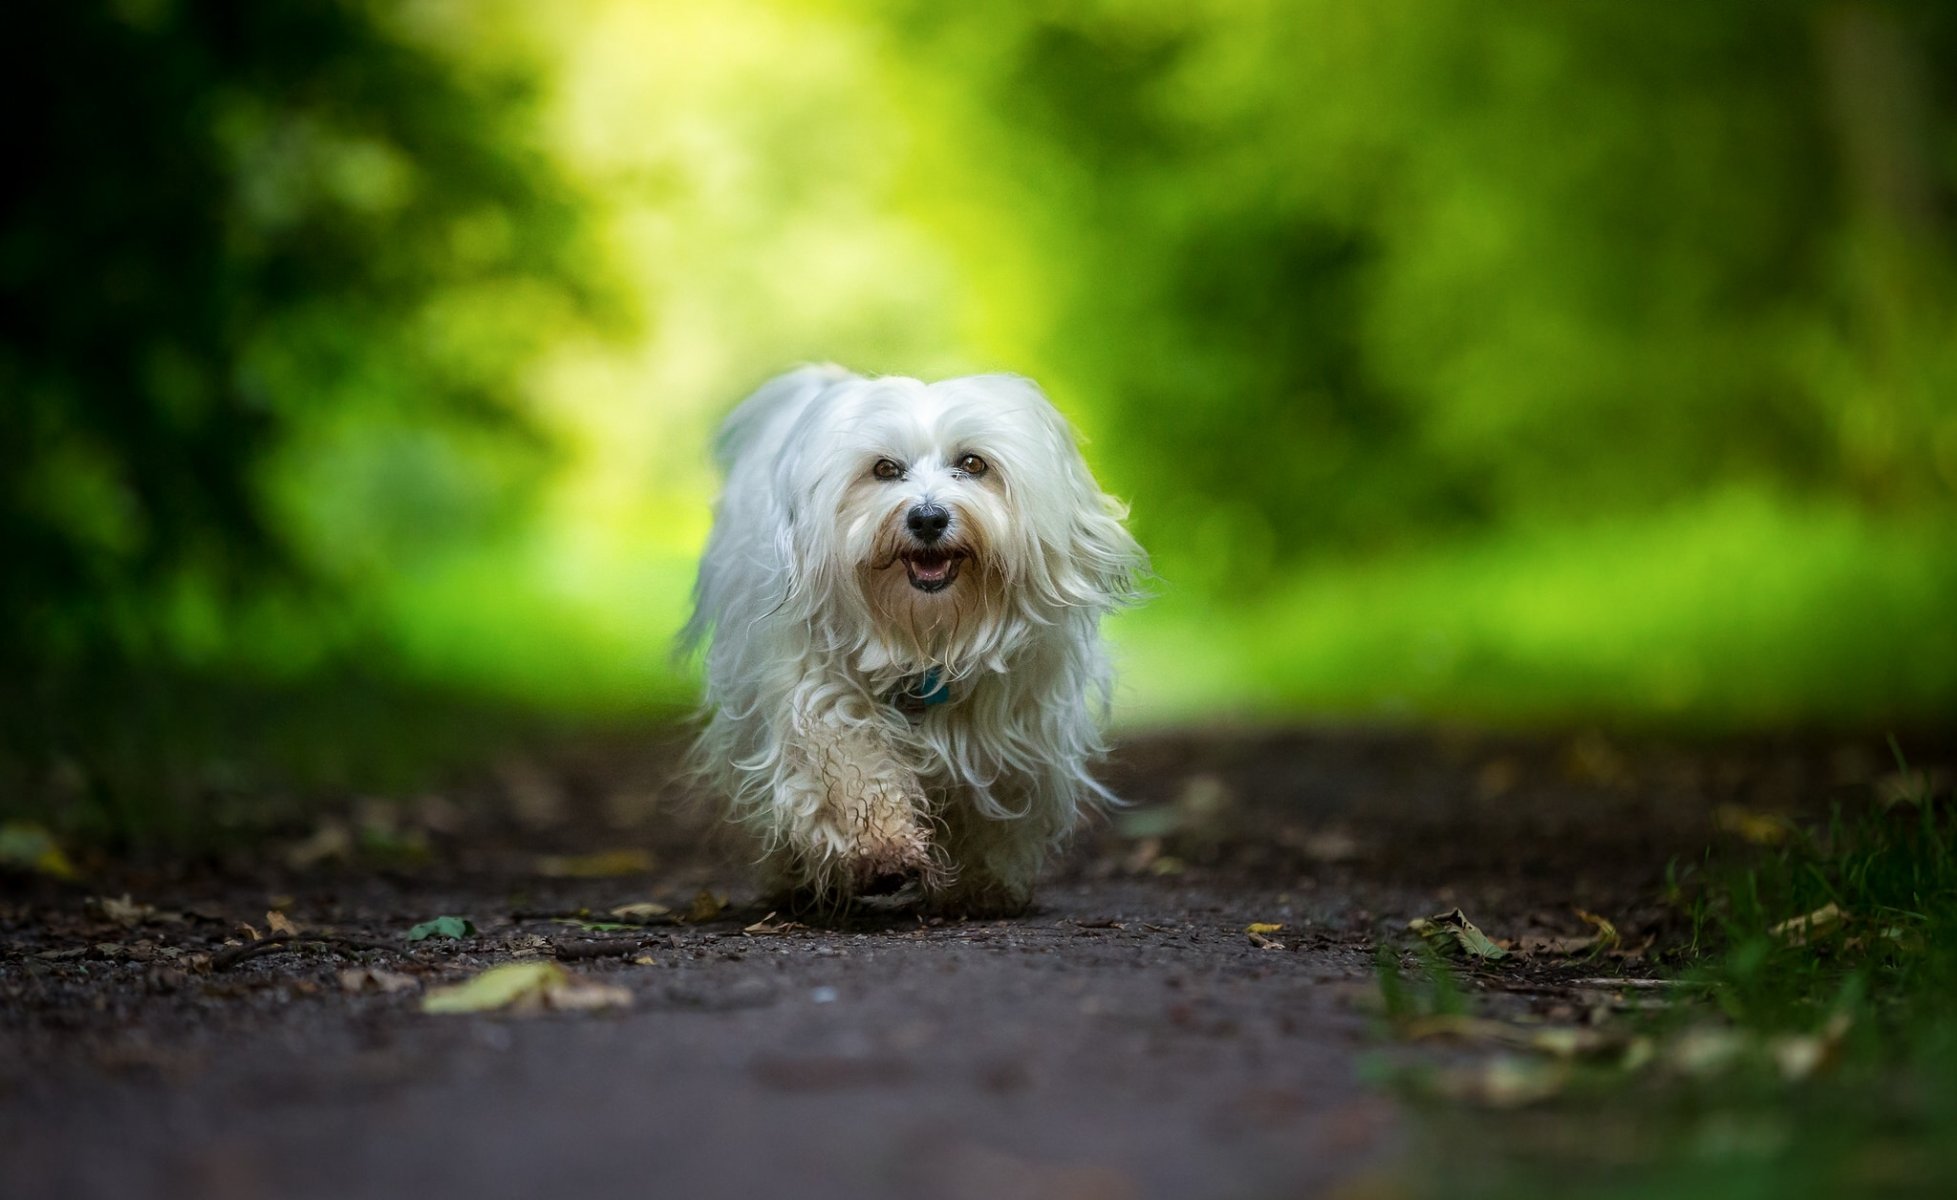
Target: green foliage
x=1558, y=361
x=1828, y=1060
x=442, y=927
x=1885, y=875
x=238, y=234
x=1356, y=276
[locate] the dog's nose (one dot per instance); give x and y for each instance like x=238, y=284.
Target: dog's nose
x=927, y=522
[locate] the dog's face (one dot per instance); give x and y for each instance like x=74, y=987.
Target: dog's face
x=942, y=512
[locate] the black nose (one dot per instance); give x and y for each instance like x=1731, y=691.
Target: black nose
x=927, y=522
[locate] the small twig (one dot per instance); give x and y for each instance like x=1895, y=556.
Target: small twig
x=226, y=959
x=1649, y=985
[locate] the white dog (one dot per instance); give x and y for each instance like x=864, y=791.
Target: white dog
x=904, y=589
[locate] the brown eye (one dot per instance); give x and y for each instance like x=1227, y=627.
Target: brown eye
x=973, y=465
x=886, y=469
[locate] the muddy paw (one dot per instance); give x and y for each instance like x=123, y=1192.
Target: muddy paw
x=891, y=866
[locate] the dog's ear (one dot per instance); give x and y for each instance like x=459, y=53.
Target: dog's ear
x=1082, y=554
x=1099, y=548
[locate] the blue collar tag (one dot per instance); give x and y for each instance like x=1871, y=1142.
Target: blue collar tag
x=919, y=692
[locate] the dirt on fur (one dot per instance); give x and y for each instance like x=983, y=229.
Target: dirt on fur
x=1188, y=1012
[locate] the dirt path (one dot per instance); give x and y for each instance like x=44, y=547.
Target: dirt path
x=1128, y=1039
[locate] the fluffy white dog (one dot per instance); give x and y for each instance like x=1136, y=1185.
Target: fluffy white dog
x=903, y=590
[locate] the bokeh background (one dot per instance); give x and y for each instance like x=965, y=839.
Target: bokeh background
x=1544, y=363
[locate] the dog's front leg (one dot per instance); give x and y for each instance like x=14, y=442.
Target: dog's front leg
x=852, y=815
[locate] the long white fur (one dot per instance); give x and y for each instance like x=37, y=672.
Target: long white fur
x=811, y=626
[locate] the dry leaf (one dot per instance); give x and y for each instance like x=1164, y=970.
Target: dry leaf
x=1452, y=928
x=1797, y=931
x=1607, y=935
x=768, y=924
x=1800, y=1057
x=1331, y=846
x=642, y=912
x=525, y=987
x=1705, y=1051
x=705, y=907
x=1263, y=943
x=1505, y=1081
x=333, y=840
x=124, y=910
x=1761, y=829
x=578, y=994
x=604, y=864
x=1560, y=1041
x=276, y=923
x=373, y=979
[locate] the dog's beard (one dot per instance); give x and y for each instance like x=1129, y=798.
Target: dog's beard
x=928, y=604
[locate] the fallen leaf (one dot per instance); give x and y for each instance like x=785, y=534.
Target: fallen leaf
x=604, y=864
x=26, y=846
x=333, y=840
x=1505, y=1081
x=1761, y=829
x=1799, y=1057
x=251, y=932
x=768, y=924
x=525, y=945
x=1332, y=846
x=578, y=994
x=1798, y=931
x=123, y=910
x=1705, y=1051
x=1607, y=935
x=1535, y=944
x=525, y=987
x=1262, y=927
x=705, y=907
x=442, y=927
x=642, y=912
x=373, y=979
x=1454, y=928
x=1560, y=1041
x=277, y=923
x=1263, y=943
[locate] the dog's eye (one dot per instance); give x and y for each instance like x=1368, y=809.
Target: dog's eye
x=886, y=469
x=973, y=465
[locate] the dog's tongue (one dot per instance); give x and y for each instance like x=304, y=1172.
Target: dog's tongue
x=931, y=572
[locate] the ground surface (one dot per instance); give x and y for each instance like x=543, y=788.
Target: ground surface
x=1128, y=1039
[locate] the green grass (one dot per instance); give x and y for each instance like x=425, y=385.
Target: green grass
x=1714, y=1097
x=1743, y=611
x=1736, y=612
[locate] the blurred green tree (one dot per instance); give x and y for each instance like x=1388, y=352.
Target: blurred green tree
x=1354, y=276
x=227, y=224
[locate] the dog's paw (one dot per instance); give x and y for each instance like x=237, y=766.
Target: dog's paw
x=888, y=866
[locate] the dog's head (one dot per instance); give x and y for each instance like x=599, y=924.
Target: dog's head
x=941, y=515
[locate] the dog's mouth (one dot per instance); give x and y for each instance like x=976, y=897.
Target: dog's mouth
x=932, y=569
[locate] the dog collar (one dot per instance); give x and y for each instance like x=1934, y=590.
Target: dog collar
x=915, y=693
